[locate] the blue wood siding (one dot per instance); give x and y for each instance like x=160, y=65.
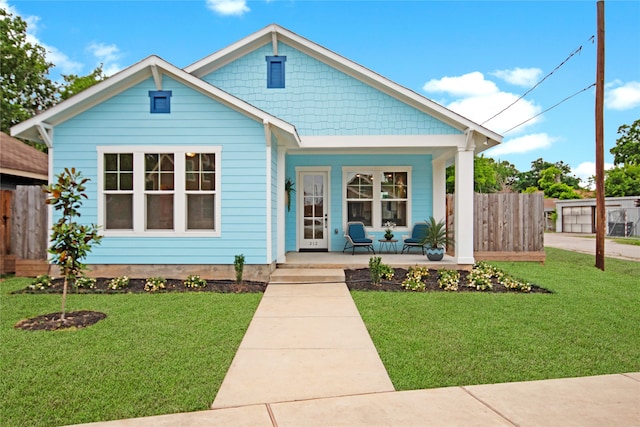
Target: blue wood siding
x=321, y=100
x=421, y=191
x=195, y=119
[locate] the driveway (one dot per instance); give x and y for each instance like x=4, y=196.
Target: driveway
x=586, y=243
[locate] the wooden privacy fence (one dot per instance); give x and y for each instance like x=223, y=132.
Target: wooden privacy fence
x=506, y=226
x=29, y=231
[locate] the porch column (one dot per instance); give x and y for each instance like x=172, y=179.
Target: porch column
x=464, y=206
x=280, y=208
x=439, y=172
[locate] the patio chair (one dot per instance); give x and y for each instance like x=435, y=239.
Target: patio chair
x=356, y=236
x=413, y=241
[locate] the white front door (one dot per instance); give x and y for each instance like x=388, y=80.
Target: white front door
x=313, y=210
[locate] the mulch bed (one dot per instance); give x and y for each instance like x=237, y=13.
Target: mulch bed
x=172, y=285
x=53, y=321
x=82, y=319
x=359, y=280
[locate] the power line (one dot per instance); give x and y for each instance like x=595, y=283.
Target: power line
x=551, y=108
x=576, y=51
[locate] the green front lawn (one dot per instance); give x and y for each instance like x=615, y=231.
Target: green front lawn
x=153, y=354
x=588, y=326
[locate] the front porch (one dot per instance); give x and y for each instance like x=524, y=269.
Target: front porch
x=361, y=260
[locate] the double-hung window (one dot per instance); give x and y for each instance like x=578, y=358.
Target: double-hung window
x=376, y=195
x=148, y=191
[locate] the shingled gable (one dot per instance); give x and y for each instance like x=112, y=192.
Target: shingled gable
x=482, y=137
x=39, y=127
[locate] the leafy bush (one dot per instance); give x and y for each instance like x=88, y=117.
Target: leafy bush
x=414, y=280
x=85, y=282
x=378, y=270
x=480, y=277
x=119, y=282
x=40, y=283
x=154, y=284
x=194, y=281
x=448, y=279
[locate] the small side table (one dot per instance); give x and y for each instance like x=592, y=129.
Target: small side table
x=388, y=245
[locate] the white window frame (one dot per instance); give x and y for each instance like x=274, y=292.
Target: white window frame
x=180, y=193
x=376, y=213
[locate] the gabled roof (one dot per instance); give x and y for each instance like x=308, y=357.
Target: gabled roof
x=37, y=127
x=20, y=159
x=273, y=33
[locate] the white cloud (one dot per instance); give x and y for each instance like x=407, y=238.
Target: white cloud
x=523, y=144
x=6, y=6
x=228, y=7
x=519, y=76
x=585, y=170
x=107, y=55
x=620, y=96
x=471, y=84
x=478, y=99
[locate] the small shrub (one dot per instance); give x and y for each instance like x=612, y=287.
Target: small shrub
x=154, y=284
x=194, y=281
x=40, y=283
x=119, y=282
x=84, y=282
x=448, y=279
x=414, y=280
x=514, y=285
x=378, y=270
x=238, y=265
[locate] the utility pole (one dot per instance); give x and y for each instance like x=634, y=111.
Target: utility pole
x=600, y=212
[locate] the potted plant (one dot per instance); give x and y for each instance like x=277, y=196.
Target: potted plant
x=388, y=230
x=435, y=239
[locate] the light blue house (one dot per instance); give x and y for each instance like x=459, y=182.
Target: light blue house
x=188, y=166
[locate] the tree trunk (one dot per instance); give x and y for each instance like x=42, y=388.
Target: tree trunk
x=64, y=298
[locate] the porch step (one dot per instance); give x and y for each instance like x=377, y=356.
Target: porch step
x=307, y=275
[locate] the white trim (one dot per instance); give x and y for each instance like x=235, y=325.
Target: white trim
x=439, y=192
x=23, y=174
x=382, y=141
x=274, y=43
x=268, y=216
x=282, y=223
x=300, y=201
x=377, y=200
x=157, y=76
x=46, y=133
x=179, y=192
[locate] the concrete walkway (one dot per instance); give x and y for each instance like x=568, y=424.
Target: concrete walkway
x=307, y=360
x=305, y=341
x=585, y=243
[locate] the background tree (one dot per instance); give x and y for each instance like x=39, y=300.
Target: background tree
x=489, y=176
x=71, y=242
x=25, y=88
x=74, y=84
x=627, y=148
x=532, y=177
x=624, y=178
x=550, y=183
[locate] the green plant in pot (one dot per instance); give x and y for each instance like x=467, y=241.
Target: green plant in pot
x=435, y=239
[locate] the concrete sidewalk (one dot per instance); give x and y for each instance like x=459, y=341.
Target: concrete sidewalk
x=307, y=360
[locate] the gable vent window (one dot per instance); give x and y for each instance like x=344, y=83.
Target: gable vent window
x=160, y=101
x=275, y=71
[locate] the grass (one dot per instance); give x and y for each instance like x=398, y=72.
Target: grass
x=153, y=354
x=588, y=326
x=635, y=241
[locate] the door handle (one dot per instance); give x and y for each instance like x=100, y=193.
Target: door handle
x=325, y=220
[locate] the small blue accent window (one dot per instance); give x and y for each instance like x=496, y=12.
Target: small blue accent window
x=160, y=101
x=275, y=71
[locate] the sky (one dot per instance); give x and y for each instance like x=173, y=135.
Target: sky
x=474, y=57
